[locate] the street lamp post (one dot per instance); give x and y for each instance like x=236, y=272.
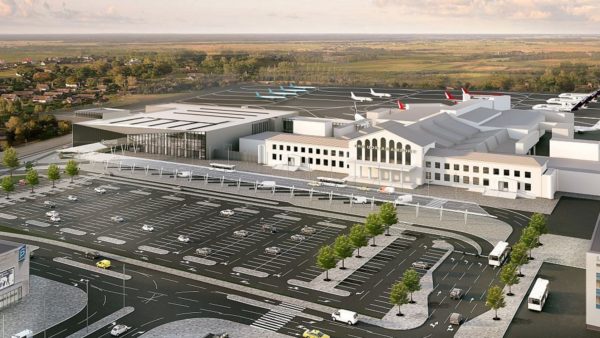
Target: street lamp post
x=87, y=306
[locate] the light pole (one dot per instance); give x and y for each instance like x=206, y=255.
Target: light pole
x=228, y=148
x=87, y=306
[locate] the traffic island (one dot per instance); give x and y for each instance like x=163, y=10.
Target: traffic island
x=202, y=327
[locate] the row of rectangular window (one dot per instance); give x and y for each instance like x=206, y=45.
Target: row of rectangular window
x=465, y=180
x=317, y=161
x=339, y=153
x=486, y=170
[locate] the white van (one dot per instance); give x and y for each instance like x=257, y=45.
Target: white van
x=345, y=316
x=23, y=334
x=266, y=184
x=185, y=174
x=359, y=200
x=403, y=199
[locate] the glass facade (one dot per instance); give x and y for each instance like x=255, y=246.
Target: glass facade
x=186, y=144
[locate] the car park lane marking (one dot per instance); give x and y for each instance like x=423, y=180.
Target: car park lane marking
x=251, y=272
x=208, y=204
x=140, y=192
x=152, y=249
x=7, y=216
x=73, y=231
x=199, y=260
x=111, y=240
x=37, y=223
x=173, y=198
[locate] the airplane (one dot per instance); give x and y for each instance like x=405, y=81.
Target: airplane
x=451, y=97
x=360, y=98
x=282, y=93
x=482, y=95
x=401, y=105
x=580, y=96
x=553, y=107
x=293, y=90
x=580, y=130
x=380, y=95
x=357, y=116
x=562, y=100
x=292, y=85
x=270, y=97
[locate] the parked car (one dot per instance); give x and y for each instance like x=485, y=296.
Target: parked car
x=72, y=198
x=345, y=316
x=203, y=251
x=183, y=238
x=306, y=230
x=118, y=330
x=50, y=204
x=273, y=250
x=456, y=318
x=456, y=293
x=104, y=264
x=298, y=238
x=240, y=233
x=227, y=212
x=100, y=190
x=421, y=265
x=55, y=219
x=117, y=219
x=147, y=227
x=93, y=255
x=314, y=184
x=314, y=334
x=359, y=200
x=23, y=334
x=52, y=213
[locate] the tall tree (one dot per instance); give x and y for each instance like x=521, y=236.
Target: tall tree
x=388, y=215
x=53, y=173
x=529, y=239
x=342, y=248
x=508, y=276
x=495, y=300
x=326, y=260
x=32, y=178
x=374, y=226
x=518, y=256
x=411, y=279
x=399, y=295
x=10, y=159
x=538, y=222
x=358, y=237
x=7, y=185
x=72, y=169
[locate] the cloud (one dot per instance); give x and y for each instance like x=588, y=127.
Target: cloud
x=7, y=7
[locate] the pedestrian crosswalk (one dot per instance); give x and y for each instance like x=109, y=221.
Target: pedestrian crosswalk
x=274, y=320
x=436, y=203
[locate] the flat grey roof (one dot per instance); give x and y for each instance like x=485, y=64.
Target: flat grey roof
x=414, y=113
x=516, y=118
x=6, y=246
x=595, y=246
x=574, y=165
x=261, y=136
x=529, y=161
x=479, y=115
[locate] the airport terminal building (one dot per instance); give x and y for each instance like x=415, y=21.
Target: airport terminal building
x=14, y=272
x=480, y=144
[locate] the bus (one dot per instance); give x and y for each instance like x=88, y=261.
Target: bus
x=499, y=254
x=332, y=182
x=538, y=295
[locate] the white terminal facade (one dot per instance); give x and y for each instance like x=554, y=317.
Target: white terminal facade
x=480, y=144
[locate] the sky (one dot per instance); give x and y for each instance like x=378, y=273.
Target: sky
x=300, y=16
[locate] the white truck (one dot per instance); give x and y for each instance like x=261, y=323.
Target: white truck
x=266, y=184
x=403, y=199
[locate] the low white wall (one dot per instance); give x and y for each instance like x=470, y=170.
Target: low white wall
x=578, y=182
x=575, y=149
x=525, y=143
x=313, y=128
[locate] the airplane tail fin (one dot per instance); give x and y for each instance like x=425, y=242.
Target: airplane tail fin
x=257, y=94
x=597, y=125
x=372, y=91
x=351, y=94
x=465, y=91
x=281, y=87
x=401, y=105
x=270, y=91
x=449, y=96
x=358, y=117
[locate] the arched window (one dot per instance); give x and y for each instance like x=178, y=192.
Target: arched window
x=407, y=152
x=359, y=150
x=391, y=152
x=374, y=145
x=399, y=153
x=367, y=150
x=382, y=152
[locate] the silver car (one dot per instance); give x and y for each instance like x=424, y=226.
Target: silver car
x=298, y=238
x=308, y=230
x=240, y=233
x=203, y=251
x=421, y=265
x=272, y=250
x=117, y=219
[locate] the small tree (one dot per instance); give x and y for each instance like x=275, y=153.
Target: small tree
x=32, y=178
x=399, y=295
x=72, y=169
x=343, y=248
x=388, y=215
x=529, y=239
x=518, y=256
x=508, y=276
x=374, y=226
x=411, y=279
x=53, y=173
x=326, y=260
x=495, y=300
x=538, y=222
x=8, y=185
x=10, y=159
x=358, y=237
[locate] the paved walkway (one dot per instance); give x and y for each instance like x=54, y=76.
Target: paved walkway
x=47, y=304
x=200, y=327
x=102, y=322
x=556, y=249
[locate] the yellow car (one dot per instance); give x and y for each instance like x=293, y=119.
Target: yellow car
x=104, y=264
x=314, y=334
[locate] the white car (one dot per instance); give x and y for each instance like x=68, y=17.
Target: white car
x=50, y=204
x=117, y=219
x=203, y=252
x=72, y=198
x=240, y=233
x=55, y=219
x=118, y=330
x=147, y=227
x=227, y=212
x=183, y=238
x=298, y=238
x=52, y=213
x=314, y=184
x=306, y=230
x=100, y=190
x=272, y=250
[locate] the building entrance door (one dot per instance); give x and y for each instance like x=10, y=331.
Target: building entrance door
x=502, y=186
